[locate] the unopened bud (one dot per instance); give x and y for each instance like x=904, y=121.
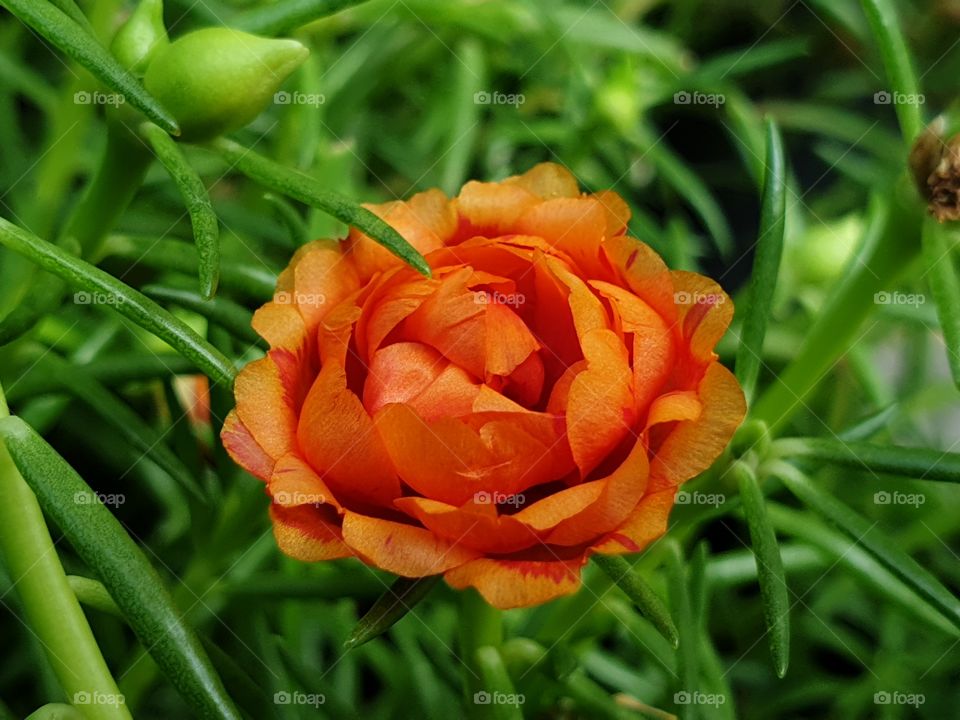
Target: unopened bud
x=140, y=37
x=217, y=80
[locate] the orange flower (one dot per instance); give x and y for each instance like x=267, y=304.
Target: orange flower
x=539, y=399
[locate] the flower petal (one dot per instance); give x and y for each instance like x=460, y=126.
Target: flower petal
x=517, y=583
x=294, y=483
x=402, y=549
x=704, y=312
x=307, y=533
x=263, y=407
x=646, y=523
x=338, y=438
x=693, y=445
x=244, y=450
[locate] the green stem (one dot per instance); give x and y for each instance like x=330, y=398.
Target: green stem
x=481, y=625
x=890, y=245
x=50, y=606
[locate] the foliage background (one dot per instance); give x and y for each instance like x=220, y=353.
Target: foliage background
x=400, y=113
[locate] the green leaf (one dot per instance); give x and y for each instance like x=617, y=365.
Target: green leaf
x=124, y=299
x=885, y=550
x=766, y=264
x=646, y=600
x=206, y=231
x=689, y=630
x=233, y=318
x=770, y=574
x=280, y=18
x=885, y=27
x=288, y=215
x=64, y=33
x=945, y=285
x=304, y=188
x=56, y=711
x=136, y=588
x=390, y=607
x=919, y=463
x=497, y=686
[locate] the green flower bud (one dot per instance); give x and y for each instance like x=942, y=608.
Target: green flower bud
x=140, y=37
x=216, y=80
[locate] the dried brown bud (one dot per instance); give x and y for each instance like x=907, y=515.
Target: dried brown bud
x=944, y=183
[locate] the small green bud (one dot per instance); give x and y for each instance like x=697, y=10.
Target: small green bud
x=753, y=436
x=217, y=80
x=140, y=37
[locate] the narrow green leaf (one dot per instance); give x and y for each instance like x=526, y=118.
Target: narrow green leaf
x=390, y=607
x=770, y=574
x=133, y=583
x=646, y=600
x=885, y=550
x=296, y=225
x=870, y=425
x=841, y=550
x=280, y=18
x=94, y=593
x=304, y=188
x=56, y=711
x=116, y=414
x=766, y=264
x=689, y=632
x=64, y=33
x=95, y=283
x=945, y=286
x=497, y=695
x=920, y=463
x=231, y=317
x=885, y=26
x=206, y=230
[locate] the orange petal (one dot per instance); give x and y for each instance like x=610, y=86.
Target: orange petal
x=491, y=209
x=295, y=483
x=644, y=272
x=674, y=407
x=559, y=506
x=244, y=450
x=470, y=525
x=621, y=491
x=263, y=407
x=426, y=221
x=307, y=533
x=338, y=438
x=600, y=409
x=646, y=523
x=617, y=212
x=402, y=549
x=575, y=226
x=517, y=583
x=693, y=445
x=547, y=180
x=322, y=277
x=704, y=312
x=280, y=325
x=653, y=346
x=508, y=341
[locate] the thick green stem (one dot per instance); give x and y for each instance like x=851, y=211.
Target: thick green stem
x=51, y=608
x=891, y=244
